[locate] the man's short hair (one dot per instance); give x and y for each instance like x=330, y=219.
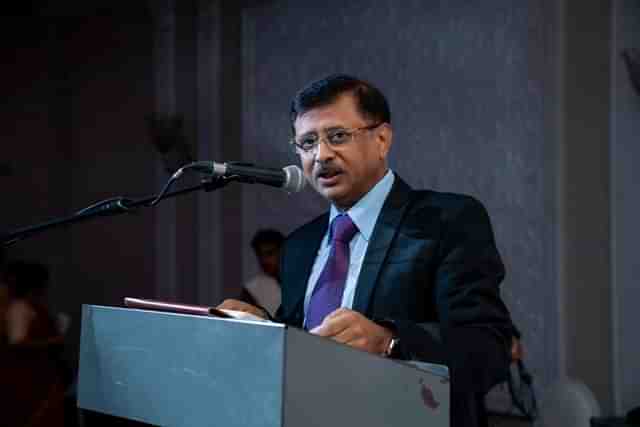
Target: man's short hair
x=267, y=237
x=371, y=103
x=25, y=277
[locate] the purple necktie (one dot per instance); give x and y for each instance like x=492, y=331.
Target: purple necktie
x=327, y=294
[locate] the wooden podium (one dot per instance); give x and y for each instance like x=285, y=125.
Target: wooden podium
x=181, y=370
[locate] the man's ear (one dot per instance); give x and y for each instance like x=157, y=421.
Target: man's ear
x=385, y=139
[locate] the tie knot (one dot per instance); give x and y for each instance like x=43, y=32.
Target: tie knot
x=343, y=228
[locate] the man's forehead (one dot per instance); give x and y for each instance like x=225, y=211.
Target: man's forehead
x=341, y=112
x=267, y=248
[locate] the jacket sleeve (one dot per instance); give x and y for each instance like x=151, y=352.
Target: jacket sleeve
x=473, y=333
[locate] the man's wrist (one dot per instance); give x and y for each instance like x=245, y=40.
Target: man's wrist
x=391, y=346
x=391, y=342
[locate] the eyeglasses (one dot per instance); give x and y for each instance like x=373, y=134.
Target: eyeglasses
x=307, y=144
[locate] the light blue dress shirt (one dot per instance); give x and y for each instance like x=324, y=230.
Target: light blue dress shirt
x=364, y=215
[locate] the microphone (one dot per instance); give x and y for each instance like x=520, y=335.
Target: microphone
x=289, y=178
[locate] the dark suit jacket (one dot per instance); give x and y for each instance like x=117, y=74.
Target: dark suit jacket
x=431, y=260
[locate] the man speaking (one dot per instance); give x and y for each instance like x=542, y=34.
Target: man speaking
x=390, y=270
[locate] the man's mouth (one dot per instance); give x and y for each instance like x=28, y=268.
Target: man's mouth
x=328, y=176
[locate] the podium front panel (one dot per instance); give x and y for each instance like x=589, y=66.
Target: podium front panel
x=331, y=384
x=180, y=370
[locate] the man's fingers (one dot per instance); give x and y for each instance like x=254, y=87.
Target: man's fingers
x=359, y=342
x=329, y=328
x=353, y=329
x=332, y=325
x=353, y=336
x=338, y=313
x=234, y=304
x=346, y=335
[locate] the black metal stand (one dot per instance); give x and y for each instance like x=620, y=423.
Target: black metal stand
x=109, y=207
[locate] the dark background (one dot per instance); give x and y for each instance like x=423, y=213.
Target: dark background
x=525, y=105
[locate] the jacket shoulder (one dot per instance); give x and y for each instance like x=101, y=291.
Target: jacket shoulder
x=449, y=204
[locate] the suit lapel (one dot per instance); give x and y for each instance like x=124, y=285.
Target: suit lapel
x=383, y=234
x=304, y=253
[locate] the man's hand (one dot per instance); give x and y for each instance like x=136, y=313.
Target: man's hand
x=352, y=328
x=234, y=304
x=517, y=352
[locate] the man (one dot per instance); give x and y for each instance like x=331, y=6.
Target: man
x=389, y=270
x=263, y=290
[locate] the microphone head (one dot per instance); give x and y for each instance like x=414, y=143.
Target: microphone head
x=295, y=180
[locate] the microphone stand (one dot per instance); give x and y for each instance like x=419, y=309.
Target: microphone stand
x=109, y=207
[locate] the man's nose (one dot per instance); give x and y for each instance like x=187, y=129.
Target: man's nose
x=324, y=151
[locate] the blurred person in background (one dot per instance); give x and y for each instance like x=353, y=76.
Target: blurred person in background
x=33, y=372
x=28, y=319
x=264, y=289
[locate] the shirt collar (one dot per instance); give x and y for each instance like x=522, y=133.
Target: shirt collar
x=364, y=213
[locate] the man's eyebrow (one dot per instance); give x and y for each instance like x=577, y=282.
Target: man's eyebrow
x=310, y=133
x=327, y=129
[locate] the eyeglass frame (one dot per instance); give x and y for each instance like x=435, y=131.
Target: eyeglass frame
x=324, y=135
